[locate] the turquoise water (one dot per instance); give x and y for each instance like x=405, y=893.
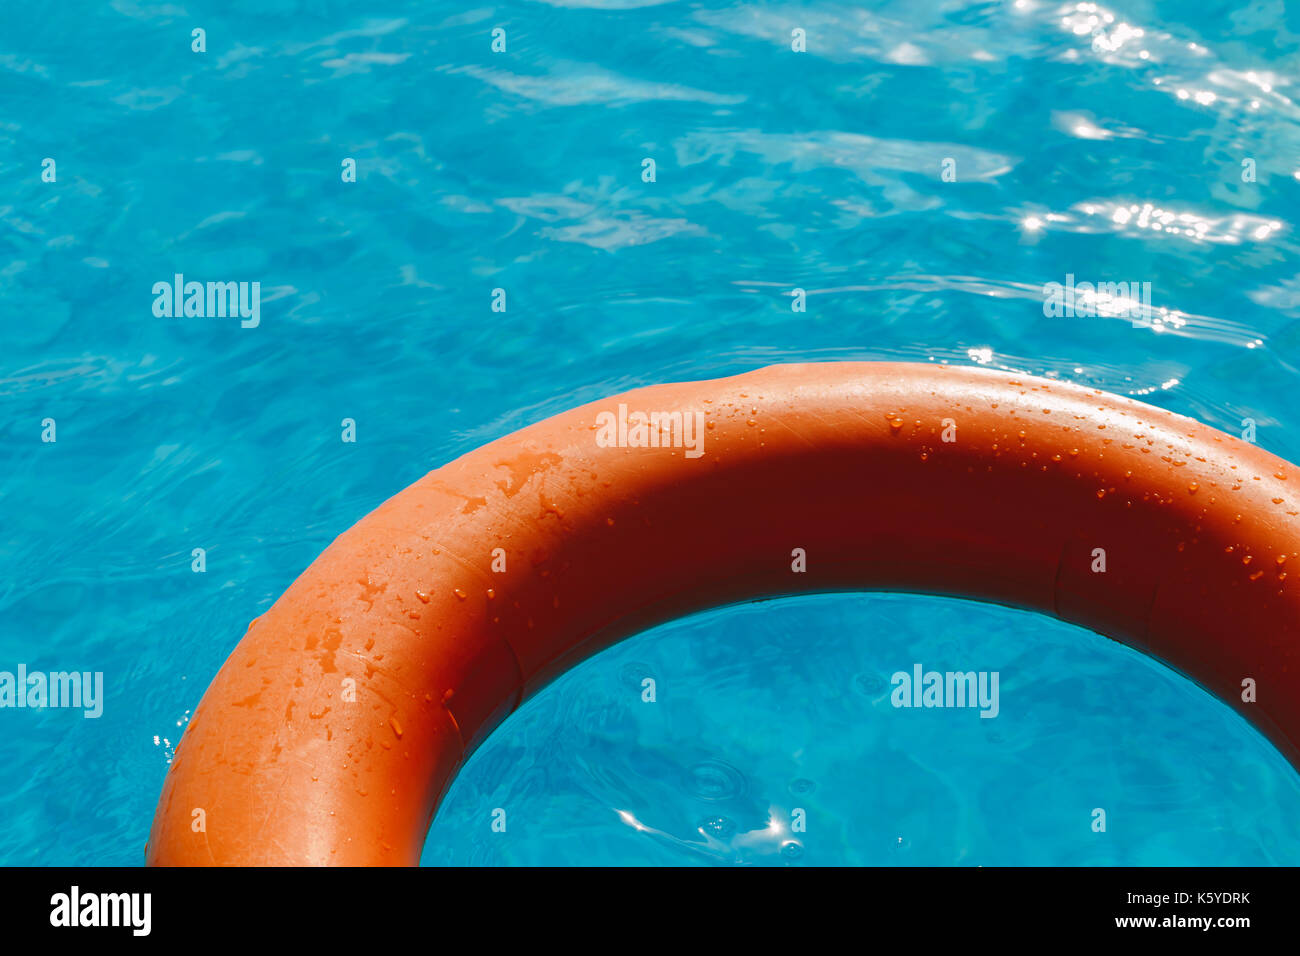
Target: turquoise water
x=1080, y=147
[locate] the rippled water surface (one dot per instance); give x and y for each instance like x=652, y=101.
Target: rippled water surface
x=1107, y=142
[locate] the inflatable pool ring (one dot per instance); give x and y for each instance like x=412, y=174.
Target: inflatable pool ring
x=333, y=730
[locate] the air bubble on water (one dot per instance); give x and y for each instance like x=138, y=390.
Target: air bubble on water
x=802, y=786
x=714, y=780
x=720, y=827
x=869, y=684
x=633, y=673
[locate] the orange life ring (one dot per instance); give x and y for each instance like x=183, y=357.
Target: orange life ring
x=334, y=728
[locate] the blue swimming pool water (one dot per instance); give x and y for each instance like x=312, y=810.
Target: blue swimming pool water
x=1080, y=146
